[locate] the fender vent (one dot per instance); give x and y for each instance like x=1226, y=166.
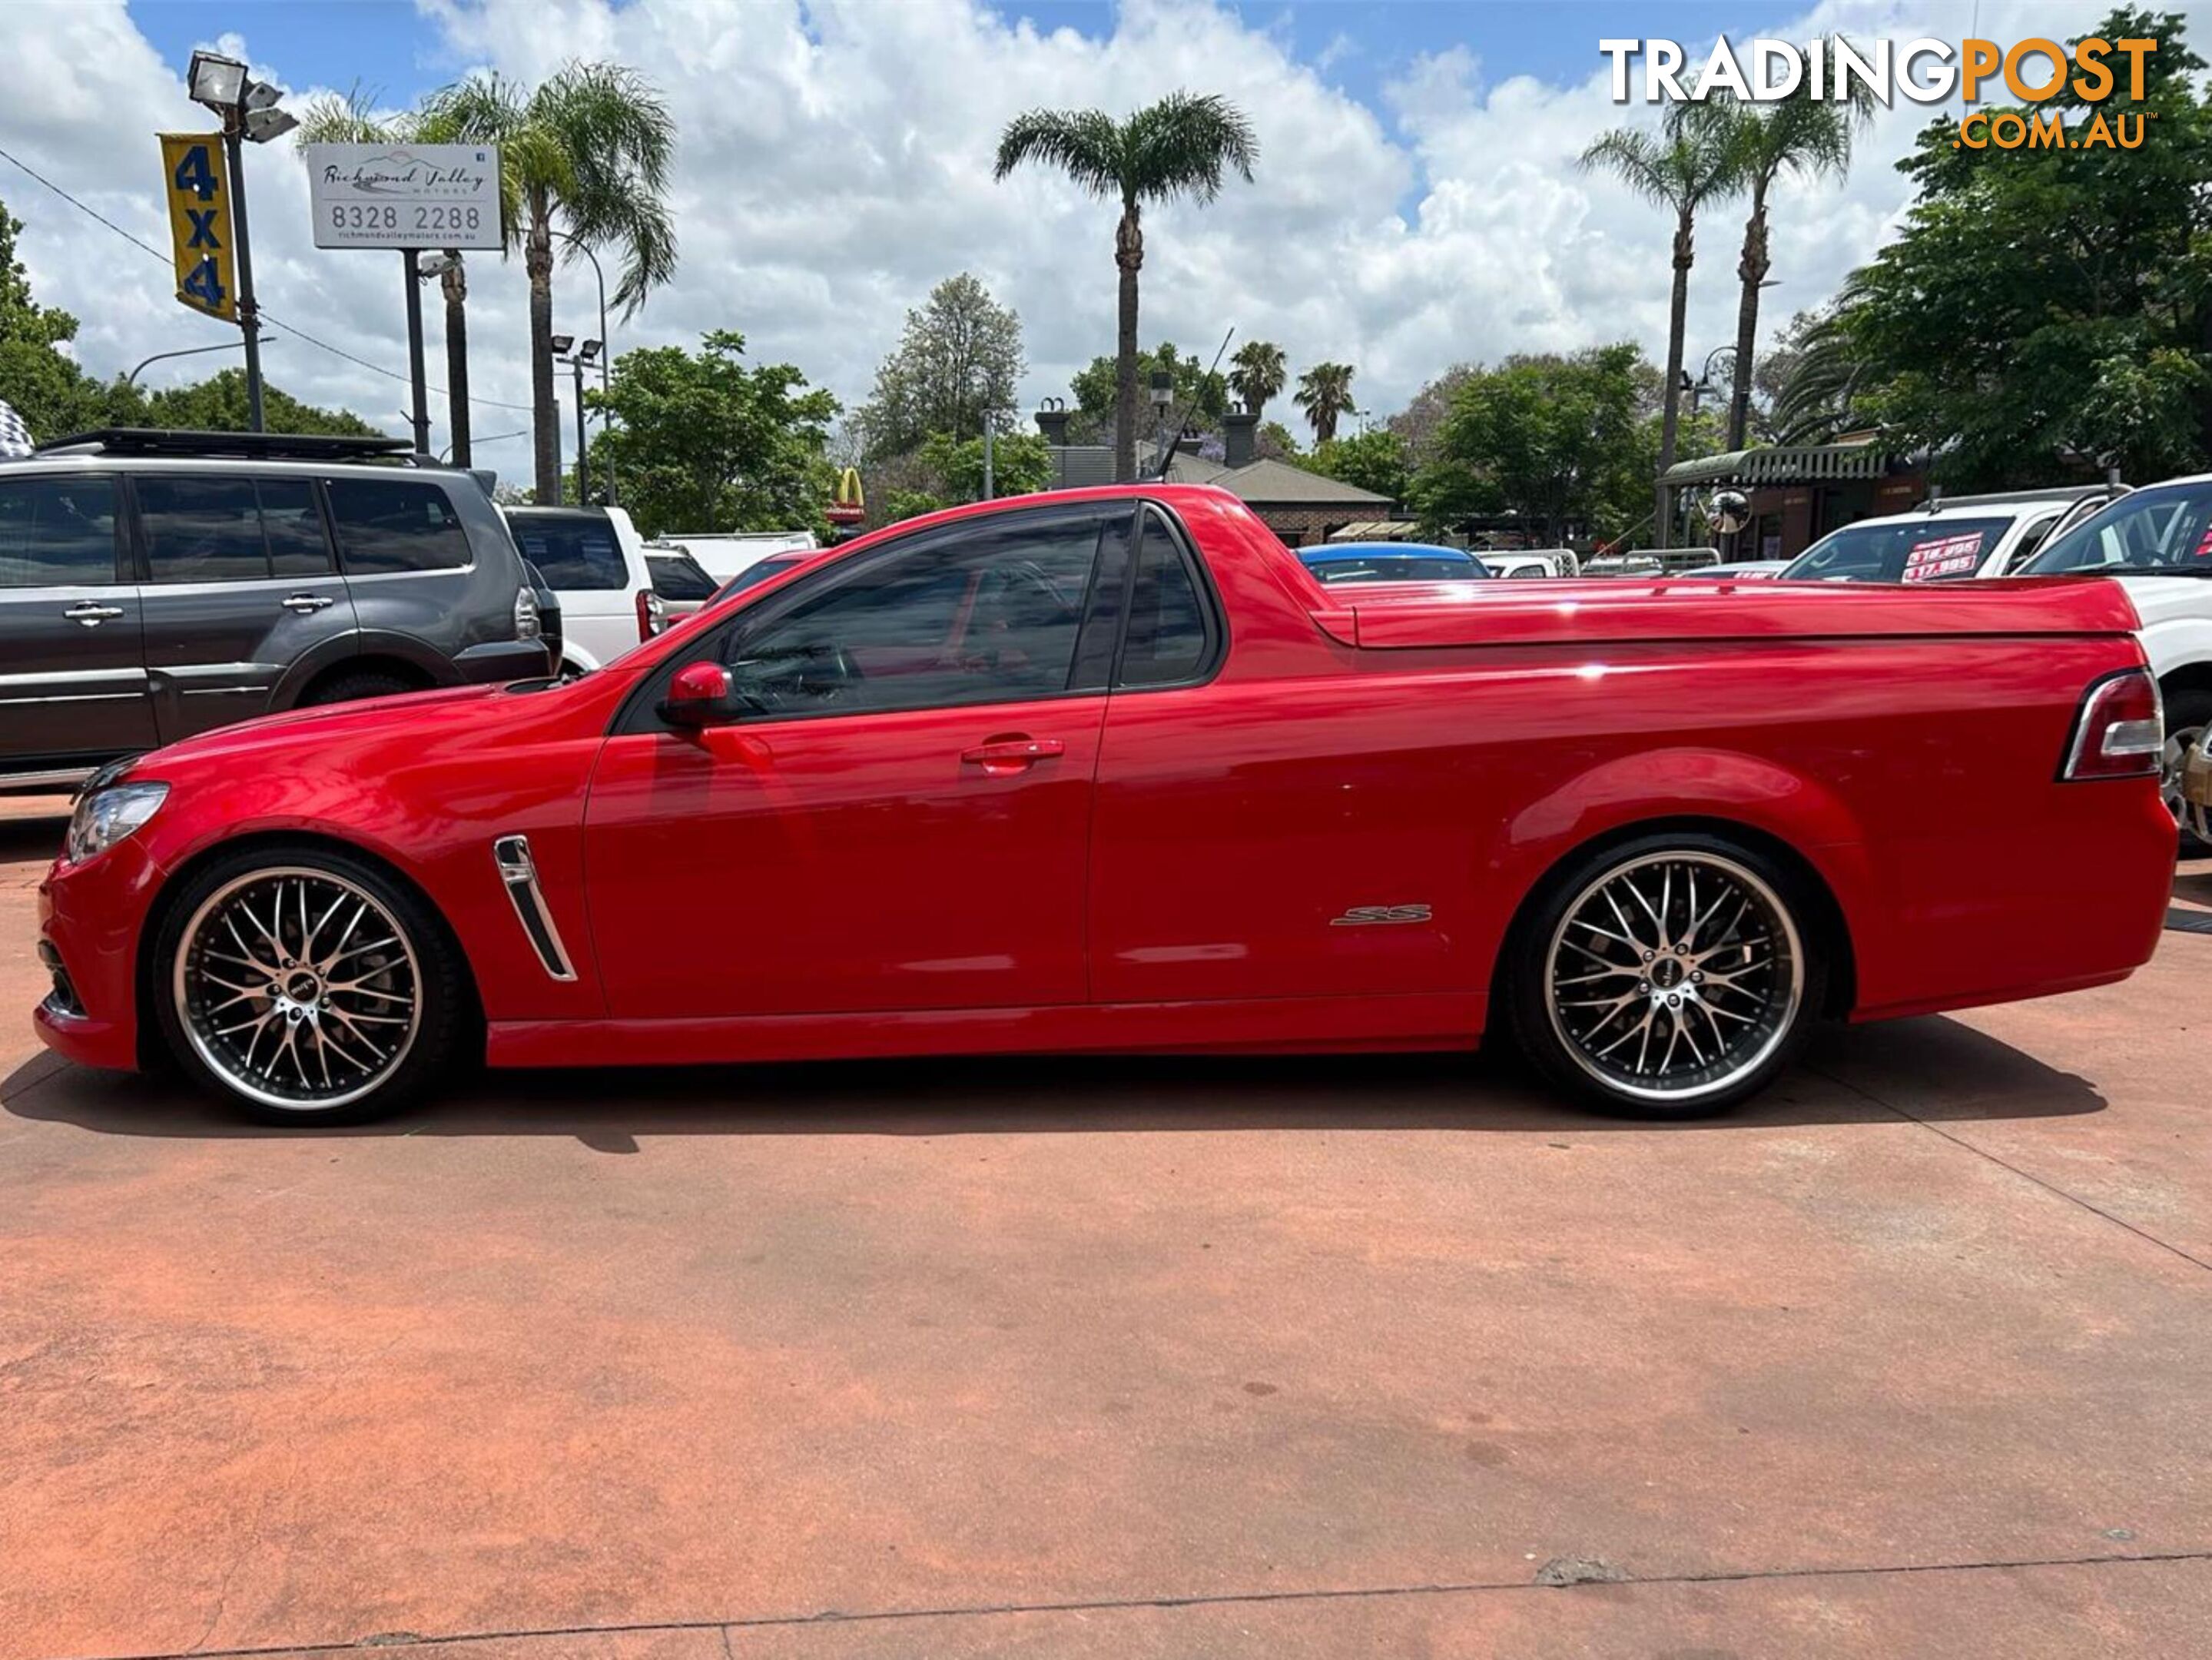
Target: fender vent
x=520, y=872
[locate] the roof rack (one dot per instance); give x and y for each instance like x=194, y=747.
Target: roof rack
x=1935, y=501
x=232, y=446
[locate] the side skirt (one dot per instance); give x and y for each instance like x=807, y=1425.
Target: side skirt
x=1269, y=1025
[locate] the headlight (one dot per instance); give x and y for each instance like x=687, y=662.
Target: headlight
x=104, y=816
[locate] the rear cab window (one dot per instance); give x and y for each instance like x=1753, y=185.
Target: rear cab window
x=577, y=551
x=395, y=526
x=56, y=532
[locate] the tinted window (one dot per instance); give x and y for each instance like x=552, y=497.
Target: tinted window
x=753, y=575
x=201, y=530
x=1388, y=569
x=678, y=577
x=576, y=550
x=1166, y=639
x=976, y=615
x=293, y=524
x=56, y=532
x=2167, y=528
x=395, y=524
x=1937, y=548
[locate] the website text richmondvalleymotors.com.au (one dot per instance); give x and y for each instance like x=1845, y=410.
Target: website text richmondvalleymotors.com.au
x=2033, y=70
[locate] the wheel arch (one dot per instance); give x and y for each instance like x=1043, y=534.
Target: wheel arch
x=1826, y=911
x=146, y=982
x=364, y=649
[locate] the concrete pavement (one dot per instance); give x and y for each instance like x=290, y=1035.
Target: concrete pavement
x=1079, y=1359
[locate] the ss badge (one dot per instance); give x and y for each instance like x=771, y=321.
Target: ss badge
x=1369, y=917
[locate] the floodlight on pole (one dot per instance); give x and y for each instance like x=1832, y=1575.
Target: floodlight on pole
x=563, y=344
x=588, y=350
x=216, y=81
x=250, y=110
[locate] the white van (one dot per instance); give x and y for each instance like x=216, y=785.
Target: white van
x=594, y=560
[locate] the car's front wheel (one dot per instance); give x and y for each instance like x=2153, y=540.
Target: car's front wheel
x=2187, y=714
x=1669, y=976
x=308, y=986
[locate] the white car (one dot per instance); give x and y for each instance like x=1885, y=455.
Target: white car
x=2158, y=542
x=594, y=560
x=723, y=555
x=1520, y=564
x=682, y=583
x=1944, y=540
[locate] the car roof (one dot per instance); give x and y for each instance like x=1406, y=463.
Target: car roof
x=95, y=461
x=1385, y=550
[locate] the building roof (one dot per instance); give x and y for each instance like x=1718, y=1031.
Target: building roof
x=1784, y=464
x=1268, y=483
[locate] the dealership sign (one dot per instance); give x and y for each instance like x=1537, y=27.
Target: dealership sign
x=197, y=188
x=405, y=196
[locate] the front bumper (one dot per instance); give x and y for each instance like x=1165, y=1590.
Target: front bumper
x=497, y=661
x=89, y=920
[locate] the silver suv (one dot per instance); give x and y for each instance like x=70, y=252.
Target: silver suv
x=155, y=584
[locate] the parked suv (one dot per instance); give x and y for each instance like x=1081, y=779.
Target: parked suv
x=595, y=560
x=155, y=584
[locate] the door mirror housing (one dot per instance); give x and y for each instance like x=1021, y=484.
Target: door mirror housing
x=700, y=695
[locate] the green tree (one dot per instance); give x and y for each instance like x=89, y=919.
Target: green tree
x=1325, y=395
x=706, y=443
x=584, y=157
x=1810, y=137
x=1559, y=441
x=1685, y=169
x=2044, y=311
x=218, y=404
x=1200, y=395
x=1181, y=146
x=1021, y=465
x=38, y=380
x=1257, y=373
x=1374, y=460
x=959, y=360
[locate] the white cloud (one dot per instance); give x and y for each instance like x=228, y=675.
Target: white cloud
x=834, y=161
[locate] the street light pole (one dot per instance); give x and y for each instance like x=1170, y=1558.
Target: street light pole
x=606, y=341
x=249, y=314
x=131, y=379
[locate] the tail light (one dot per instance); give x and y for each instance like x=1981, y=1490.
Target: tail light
x=652, y=614
x=527, y=624
x=2121, y=730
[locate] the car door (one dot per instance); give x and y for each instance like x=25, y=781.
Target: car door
x=900, y=821
x=238, y=584
x=72, y=671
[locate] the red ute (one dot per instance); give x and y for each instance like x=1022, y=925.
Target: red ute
x=1106, y=770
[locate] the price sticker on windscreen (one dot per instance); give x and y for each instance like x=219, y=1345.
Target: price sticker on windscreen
x=1948, y=556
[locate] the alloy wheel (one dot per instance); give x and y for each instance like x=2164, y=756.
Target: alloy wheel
x=1673, y=976
x=2171, y=764
x=298, y=987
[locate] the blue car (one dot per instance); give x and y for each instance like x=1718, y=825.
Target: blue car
x=1391, y=561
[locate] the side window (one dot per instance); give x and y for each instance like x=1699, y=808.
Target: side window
x=57, y=532
x=387, y=526
x=982, y=615
x=201, y=530
x=1168, y=638
x=576, y=552
x=294, y=525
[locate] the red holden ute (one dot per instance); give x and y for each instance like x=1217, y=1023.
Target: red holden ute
x=1107, y=769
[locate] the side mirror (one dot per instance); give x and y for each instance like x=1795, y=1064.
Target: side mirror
x=700, y=695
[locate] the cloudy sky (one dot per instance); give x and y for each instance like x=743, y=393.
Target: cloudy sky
x=1417, y=202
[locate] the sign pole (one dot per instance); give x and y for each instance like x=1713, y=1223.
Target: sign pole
x=249, y=314
x=420, y=420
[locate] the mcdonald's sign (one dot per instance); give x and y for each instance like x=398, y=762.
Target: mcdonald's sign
x=849, y=506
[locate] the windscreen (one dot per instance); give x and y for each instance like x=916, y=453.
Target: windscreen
x=2166, y=529
x=1409, y=570
x=1936, y=549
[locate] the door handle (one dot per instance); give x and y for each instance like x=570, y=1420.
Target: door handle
x=304, y=603
x=1001, y=756
x=92, y=614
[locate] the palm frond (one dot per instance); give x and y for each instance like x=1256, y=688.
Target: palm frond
x=1085, y=144
x=352, y=117
x=1184, y=144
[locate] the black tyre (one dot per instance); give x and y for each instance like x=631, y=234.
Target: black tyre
x=2187, y=714
x=350, y=685
x=305, y=986
x=1667, y=977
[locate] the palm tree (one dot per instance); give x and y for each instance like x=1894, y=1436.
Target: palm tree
x=1256, y=374
x=1799, y=134
x=1325, y=395
x=1180, y=146
x=1684, y=170
x=585, y=154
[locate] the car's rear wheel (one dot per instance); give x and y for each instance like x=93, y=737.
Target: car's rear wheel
x=308, y=987
x=351, y=685
x=2187, y=714
x=1670, y=977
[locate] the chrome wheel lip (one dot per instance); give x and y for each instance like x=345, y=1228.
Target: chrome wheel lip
x=1783, y=1019
x=223, y=1065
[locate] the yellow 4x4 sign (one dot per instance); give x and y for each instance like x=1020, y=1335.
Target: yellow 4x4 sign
x=196, y=180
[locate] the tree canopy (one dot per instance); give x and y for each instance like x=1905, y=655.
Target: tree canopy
x=1201, y=395
x=2045, y=310
x=959, y=360
x=705, y=442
